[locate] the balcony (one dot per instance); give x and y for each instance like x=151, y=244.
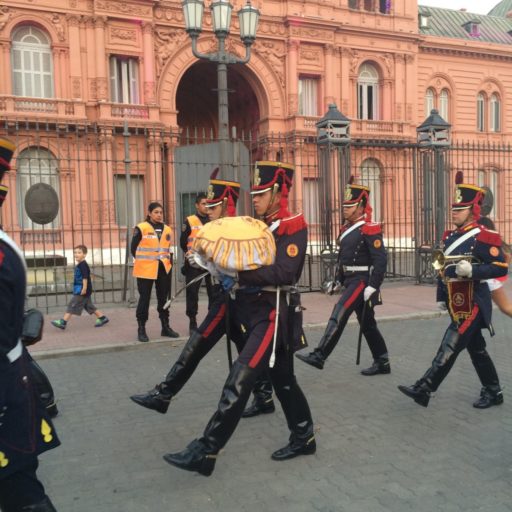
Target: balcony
x=18, y=107
x=124, y=111
x=380, y=129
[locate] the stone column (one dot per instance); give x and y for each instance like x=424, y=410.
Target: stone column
x=292, y=78
x=149, y=64
x=101, y=65
x=75, y=61
x=5, y=85
x=330, y=76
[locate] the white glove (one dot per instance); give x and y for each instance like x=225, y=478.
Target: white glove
x=441, y=305
x=464, y=268
x=368, y=292
x=191, y=259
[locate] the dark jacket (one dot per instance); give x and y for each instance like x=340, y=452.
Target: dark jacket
x=25, y=428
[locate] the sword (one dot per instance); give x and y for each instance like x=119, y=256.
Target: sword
x=198, y=278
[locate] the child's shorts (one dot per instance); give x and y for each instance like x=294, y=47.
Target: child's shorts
x=80, y=302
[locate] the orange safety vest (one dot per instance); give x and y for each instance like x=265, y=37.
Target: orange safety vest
x=151, y=251
x=195, y=225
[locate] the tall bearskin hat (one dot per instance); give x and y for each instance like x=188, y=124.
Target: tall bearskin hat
x=467, y=195
x=7, y=149
x=222, y=191
x=355, y=194
x=275, y=176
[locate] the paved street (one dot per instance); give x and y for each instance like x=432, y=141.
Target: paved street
x=377, y=450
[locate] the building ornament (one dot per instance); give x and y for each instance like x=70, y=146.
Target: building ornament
x=312, y=56
x=123, y=8
x=5, y=16
x=274, y=53
x=167, y=41
x=123, y=34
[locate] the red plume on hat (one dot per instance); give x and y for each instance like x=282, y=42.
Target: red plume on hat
x=459, y=177
x=283, y=202
x=214, y=173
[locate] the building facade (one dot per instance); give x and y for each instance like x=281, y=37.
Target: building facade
x=103, y=97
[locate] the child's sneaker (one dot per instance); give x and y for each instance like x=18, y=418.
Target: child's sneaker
x=61, y=324
x=101, y=321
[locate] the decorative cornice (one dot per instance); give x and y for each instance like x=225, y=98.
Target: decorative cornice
x=123, y=8
x=475, y=54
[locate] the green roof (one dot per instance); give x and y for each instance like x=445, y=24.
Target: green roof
x=501, y=9
x=450, y=23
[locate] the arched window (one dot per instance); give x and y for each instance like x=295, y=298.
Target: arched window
x=32, y=68
x=368, y=92
x=480, y=112
x=35, y=165
x=370, y=177
x=495, y=113
x=430, y=98
x=444, y=104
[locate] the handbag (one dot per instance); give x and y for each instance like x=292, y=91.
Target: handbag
x=32, y=330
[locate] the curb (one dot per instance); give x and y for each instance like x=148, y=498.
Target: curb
x=176, y=342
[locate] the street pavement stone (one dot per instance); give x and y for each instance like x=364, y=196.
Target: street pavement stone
x=377, y=450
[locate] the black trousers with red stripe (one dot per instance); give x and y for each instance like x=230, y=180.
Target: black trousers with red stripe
x=208, y=334
x=460, y=336
x=352, y=300
x=260, y=314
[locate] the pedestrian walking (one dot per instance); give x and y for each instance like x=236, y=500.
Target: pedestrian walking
x=361, y=266
x=151, y=250
x=82, y=291
x=26, y=429
x=262, y=295
x=472, y=254
x=189, y=230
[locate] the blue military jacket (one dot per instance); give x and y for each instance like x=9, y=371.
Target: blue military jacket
x=25, y=428
x=485, y=246
x=361, y=245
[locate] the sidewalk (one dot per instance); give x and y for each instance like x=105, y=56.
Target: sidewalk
x=401, y=301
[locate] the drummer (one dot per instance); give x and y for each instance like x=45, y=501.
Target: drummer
x=222, y=198
x=264, y=307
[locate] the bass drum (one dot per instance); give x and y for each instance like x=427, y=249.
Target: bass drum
x=233, y=244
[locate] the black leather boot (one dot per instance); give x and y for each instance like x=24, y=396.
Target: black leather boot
x=298, y=417
x=43, y=506
x=314, y=358
x=160, y=396
x=157, y=399
x=195, y=457
x=489, y=396
x=263, y=402
x=380, y=366
x=419, y=392
x=167, y=330
x=141, y=332
x=301, y=443
x=329, y=340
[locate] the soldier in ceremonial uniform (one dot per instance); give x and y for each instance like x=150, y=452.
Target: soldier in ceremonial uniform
x=262, y=296
x=221, y=202
x=362, y=261
x=189, y=230
x=25, y=426
x=463, y=290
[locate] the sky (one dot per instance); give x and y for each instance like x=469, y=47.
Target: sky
x=476, y=6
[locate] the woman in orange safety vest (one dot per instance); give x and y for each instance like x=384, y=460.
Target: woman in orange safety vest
x=151, y=249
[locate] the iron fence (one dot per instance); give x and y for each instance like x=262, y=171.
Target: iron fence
x=104, y=177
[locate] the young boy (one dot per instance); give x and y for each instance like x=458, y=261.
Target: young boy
x=82, y=289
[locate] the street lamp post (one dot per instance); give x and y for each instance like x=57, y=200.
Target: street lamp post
x=221, y=15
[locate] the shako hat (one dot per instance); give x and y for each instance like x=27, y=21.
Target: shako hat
x=467, y=195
